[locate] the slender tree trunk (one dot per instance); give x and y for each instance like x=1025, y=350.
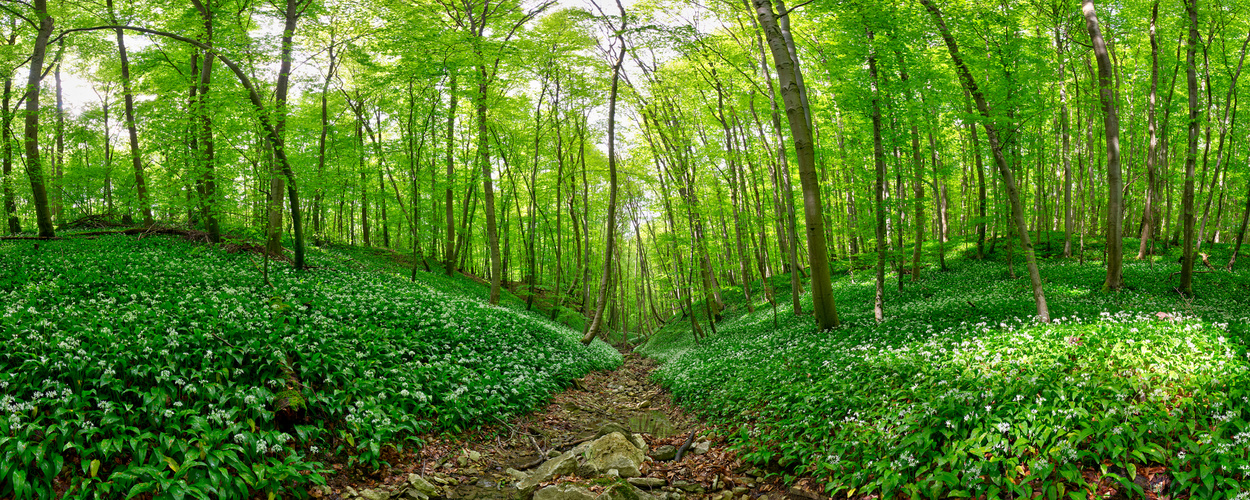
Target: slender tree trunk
x=878, y=155
x=321, y=139
x=1229, y=104
x=1152, y=154
x=10, y=201
x=793, y=94
x=136, y=156
x=488, y=188
x=596, y=321
x=1191, y=154
x=1066, y=152
x=977, y=163
x=1111, y=126
x=450, y=265
x=1008, y=178
x=34, y=164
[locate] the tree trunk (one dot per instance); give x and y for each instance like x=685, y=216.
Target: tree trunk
x=34, y=165
x=136, y=159
x=793, y=94
x=321, y=139
x=1191, y=154
x=1152, y=154
x=488, y=189
x=878, y=155
x=1111, y=126
x=1067, y=151
x=450, y=264
x=991, y=133
x=596, y=321
x=10, y=201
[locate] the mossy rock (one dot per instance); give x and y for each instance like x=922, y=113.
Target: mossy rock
x=289, y=398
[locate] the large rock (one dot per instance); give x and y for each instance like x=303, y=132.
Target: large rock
x=564, y=492
x=562, y=465
x=615, y=451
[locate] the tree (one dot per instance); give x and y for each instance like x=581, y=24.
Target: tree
x=34, y=163
x=991, y=134
x=596, y=321
x=1111, y=126
x=878, y=192
x=136, y=155
x=1191, y=154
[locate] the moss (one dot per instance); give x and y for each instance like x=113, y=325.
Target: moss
x=289, y=398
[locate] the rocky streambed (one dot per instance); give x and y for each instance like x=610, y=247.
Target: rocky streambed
x=612, y=436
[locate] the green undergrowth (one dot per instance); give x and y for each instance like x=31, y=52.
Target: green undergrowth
x=160, y=366
x=960, y=393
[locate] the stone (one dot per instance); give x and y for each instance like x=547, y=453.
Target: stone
x=586, y=470
x=564, y=492
x=740, y=490
x=474, y=456
x=553, y=453
x=664, y=452
x=415, y=495
x=638, y=442
x=688, y=487
x=561, y=465
x=419, y=484
x=580, y=450
x=516, y=474
x=375, y=495
x=701, y=447
x=614, y=451
x=624, y=491
x=352, y=491
x=612, y=473
x=647, y=482
x=609, y=428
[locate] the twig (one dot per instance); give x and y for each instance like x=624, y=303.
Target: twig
x=218, y=337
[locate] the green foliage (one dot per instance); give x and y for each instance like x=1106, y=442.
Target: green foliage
x=958, y=393
x=159, y=366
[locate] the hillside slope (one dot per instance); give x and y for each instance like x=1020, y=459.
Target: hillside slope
x=158, y=365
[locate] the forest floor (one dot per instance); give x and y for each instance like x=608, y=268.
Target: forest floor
x=475, y=464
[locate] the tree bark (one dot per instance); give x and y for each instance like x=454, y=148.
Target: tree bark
x=1191, y=154
x=1004, y=170
x=34, y=163
x=136, y=157
x=450, y=265
x=596, y=321
x=10, y=200
x=878, y=155
x=796, y=113
x=1152, y=153
x=1111, y=128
